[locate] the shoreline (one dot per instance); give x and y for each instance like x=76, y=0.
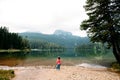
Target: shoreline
x=85, y=65
x=14, y=50
x=65, y=73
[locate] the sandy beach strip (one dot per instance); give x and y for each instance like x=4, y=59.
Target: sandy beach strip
x=66, y=73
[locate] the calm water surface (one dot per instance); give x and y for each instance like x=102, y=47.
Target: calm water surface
x=69, y=57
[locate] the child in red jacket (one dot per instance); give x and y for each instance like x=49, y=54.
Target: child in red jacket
x=58, y=63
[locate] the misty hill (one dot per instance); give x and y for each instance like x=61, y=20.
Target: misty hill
x=59, y=37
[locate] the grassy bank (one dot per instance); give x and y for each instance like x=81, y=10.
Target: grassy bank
x=115, y=66
x=6, y=74
x=14, y=50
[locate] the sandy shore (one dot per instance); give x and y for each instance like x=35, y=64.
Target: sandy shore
x=66, y=73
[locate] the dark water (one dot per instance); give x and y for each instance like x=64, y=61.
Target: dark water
x=69, y=57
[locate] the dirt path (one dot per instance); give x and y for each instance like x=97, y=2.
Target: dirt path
x=66, y=73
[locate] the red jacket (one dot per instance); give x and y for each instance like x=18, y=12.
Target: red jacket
x=58, y=61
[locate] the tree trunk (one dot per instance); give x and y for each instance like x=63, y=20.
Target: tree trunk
x=116, y=51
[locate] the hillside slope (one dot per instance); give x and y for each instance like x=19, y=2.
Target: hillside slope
x=60, y=37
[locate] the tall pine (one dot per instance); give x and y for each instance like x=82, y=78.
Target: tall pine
x=103, y=24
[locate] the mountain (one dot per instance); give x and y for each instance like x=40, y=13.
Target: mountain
x=60, y=37
x=62, y=33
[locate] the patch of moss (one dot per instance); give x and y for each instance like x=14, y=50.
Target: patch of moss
x=6, y=74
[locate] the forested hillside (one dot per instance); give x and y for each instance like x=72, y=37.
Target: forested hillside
x=59, y=37
x=44, y=45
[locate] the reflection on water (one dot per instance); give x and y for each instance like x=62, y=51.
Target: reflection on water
x=69, y=57
x=12, y=59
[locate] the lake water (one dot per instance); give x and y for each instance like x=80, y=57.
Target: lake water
x=68, y=57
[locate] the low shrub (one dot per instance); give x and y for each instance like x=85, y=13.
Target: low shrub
x=6, y=74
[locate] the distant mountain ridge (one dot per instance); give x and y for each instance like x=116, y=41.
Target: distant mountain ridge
x=60, y=37
x=63, y=33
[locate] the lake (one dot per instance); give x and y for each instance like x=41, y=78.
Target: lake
x=68, y=57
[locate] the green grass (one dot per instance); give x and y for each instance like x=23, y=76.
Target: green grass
x=6, y=74
x=115, y=66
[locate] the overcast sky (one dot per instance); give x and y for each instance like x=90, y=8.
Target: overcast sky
x=43, y=16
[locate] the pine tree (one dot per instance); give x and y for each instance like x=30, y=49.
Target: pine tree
x=12, y=40
x=103, y=24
